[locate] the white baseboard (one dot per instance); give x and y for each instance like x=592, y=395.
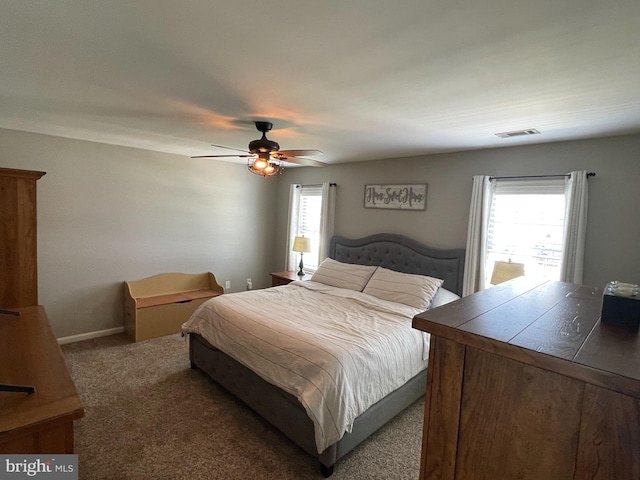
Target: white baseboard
x=88, y=336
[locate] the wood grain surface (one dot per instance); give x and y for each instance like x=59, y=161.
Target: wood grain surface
x=41, y=422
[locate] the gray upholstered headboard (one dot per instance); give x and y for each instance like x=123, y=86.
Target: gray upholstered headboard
x=402, y=254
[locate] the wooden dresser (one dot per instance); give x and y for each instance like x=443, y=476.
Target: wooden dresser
x=41, y=422
x=525, y=382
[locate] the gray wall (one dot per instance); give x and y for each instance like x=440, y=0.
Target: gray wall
x=108, y=214
x=613, y=233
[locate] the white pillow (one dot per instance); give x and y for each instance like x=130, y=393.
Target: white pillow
x=343, y=275
x=414, y=290
x=443, y=297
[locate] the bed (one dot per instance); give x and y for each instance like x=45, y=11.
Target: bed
x=217, y=349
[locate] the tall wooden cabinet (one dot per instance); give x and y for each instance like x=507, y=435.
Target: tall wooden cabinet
x=18, y=238
x=40, y=421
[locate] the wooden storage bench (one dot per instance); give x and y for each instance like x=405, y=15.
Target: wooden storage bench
x=159, y=305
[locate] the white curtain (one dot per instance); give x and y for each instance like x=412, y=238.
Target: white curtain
x=474, y=270
x=575, y=227
x=327, y=221
x=292, y=228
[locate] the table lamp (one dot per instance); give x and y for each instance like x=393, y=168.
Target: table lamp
x=302, y=245
x=503, y=271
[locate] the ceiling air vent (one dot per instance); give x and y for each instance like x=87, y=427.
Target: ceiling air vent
x=518, y=133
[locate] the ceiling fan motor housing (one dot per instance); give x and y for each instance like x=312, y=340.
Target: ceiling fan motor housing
x=264, y=144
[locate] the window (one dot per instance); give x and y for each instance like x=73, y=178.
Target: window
x=539, y=221
x=309, y=217
x=526, y=225
x=311, y=212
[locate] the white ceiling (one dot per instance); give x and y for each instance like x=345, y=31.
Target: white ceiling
x=357, y=79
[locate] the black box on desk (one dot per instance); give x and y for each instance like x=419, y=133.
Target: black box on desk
x=621, y=311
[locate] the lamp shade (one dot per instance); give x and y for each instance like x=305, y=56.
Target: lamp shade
x=302, y=244
x=503, y=271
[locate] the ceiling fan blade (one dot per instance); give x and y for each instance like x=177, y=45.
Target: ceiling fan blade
x=299, y=153
x=223, y=156
x=230, y=148
x=307, y=162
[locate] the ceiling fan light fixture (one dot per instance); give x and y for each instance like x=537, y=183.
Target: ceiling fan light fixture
x=261, y=162
x=264, y=168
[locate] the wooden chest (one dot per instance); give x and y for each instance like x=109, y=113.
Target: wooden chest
x=159, y=305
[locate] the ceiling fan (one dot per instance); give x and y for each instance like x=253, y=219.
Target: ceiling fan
x=265, y=157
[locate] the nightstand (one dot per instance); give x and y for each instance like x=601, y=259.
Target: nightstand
x=284, y=278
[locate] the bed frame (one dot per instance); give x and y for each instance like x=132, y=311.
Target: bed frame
x=283, y=410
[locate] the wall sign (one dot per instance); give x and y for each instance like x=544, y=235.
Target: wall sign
x=397, y=197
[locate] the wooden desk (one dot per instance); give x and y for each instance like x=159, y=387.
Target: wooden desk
x=285, y=278
x=29, y=355
x=525, y=382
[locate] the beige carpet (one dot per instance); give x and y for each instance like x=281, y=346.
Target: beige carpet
x=149, y=416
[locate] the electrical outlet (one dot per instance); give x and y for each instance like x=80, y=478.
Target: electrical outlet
x=249, y=284
x=227, y=284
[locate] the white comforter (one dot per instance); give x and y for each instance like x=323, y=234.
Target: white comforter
x=338, y=351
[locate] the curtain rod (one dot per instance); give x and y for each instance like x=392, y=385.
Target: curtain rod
x=589, y=174
x=316, y=185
